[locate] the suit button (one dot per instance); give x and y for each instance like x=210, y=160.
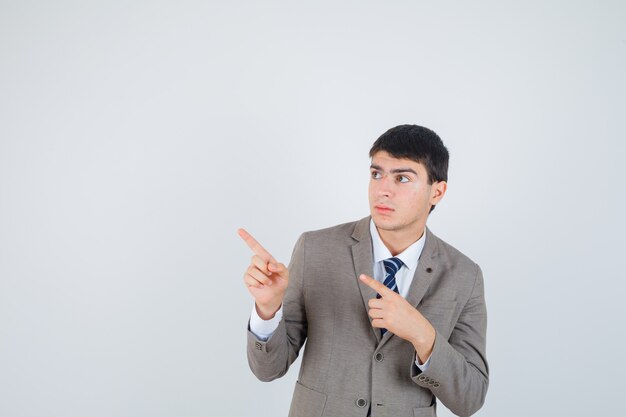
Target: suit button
x=361, y=402
x=379, y=357
x=421, y=378
x=436, y=385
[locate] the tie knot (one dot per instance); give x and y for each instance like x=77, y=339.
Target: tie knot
x=392, y=265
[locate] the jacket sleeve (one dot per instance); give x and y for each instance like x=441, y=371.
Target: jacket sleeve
x=271, y=359
x=458, y=374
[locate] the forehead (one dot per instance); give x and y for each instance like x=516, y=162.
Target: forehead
x=388, y=162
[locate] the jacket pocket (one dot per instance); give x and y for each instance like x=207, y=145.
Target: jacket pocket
x=425, y=411
x=306, y=402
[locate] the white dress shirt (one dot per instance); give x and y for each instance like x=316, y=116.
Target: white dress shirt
x=264, y=329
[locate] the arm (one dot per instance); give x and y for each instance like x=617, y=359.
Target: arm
x=458, y=374
x=271, y=359
x=457, y=370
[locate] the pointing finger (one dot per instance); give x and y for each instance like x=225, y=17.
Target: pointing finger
x=255, y=246
x=372, y=283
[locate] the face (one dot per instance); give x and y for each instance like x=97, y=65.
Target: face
x=399, y=194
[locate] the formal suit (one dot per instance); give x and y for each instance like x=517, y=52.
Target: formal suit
x=347, y=367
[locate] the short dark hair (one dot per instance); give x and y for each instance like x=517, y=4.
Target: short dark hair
x=418, y=144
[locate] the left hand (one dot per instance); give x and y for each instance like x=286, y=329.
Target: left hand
x=395, y=314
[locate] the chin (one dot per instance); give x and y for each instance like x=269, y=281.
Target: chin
x=384, y=223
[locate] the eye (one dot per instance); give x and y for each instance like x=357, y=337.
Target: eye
x=375, y=175
x=403, y=178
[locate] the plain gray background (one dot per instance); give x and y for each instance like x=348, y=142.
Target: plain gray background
x=136, y=137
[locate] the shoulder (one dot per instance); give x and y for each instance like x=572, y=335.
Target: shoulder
x=341, y=233
x=450, y=253
x=333, y=242
x=459, y=267
x=459, y=277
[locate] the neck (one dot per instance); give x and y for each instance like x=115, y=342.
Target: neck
x=398, y=240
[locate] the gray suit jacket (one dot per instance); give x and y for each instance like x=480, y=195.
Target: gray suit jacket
x=347, y=367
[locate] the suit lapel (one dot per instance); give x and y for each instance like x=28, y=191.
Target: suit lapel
x=363, y=263
x=427, y=268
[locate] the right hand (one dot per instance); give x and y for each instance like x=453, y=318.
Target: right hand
x=265, y=278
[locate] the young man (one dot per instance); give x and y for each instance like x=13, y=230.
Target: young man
x=384, y=346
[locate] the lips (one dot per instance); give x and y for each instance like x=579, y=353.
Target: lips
x=382, y=209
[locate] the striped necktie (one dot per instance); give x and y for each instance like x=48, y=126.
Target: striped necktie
x=392, y=265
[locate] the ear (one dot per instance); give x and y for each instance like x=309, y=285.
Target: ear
x=437, y=192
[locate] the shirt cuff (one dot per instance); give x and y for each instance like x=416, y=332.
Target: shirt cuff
x=264, y=329
x=423, y=367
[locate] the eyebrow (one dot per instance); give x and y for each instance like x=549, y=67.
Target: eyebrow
x=394, y=171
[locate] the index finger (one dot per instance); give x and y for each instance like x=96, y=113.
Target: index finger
x=255, y=246
x=372, y=283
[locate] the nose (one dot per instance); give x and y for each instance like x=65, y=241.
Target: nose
x=384, y=187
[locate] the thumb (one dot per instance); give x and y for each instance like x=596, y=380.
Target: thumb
x=276, y=267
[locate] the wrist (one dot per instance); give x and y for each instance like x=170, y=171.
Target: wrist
x=267, y=311
x=424, y=342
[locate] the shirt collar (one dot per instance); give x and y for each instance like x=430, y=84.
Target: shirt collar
x=409, y=257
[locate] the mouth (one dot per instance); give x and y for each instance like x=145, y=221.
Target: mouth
x=382, y=209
